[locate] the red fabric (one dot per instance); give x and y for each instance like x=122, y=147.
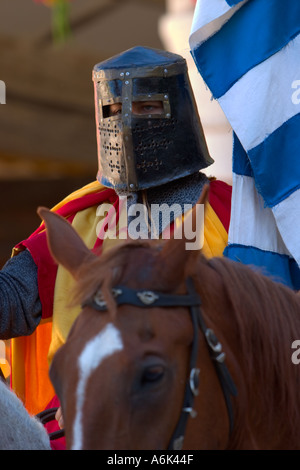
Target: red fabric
x=52, y=426
x=38, y=247
x=220, y=199
x=47, y=270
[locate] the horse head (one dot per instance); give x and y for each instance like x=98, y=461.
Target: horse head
x=122, y=373
x=128, y=375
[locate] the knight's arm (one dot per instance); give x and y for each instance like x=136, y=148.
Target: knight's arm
x=20, y=306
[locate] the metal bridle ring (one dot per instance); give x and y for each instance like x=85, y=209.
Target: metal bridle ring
x=213, y=341
x=194, y=381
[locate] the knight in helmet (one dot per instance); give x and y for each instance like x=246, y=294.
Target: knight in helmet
x=137, y=151
x=150, y=140
x=151, y=148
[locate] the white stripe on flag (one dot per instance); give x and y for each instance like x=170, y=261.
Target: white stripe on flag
x=252, y=224
x=268, y=102
x=209, y=18
x=287, y=215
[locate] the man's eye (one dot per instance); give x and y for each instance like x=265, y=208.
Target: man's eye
x=153, y=108
x=111, y=110
x=148, y=107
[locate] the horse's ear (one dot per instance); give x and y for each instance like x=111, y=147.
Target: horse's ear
x=65, y=245
x=187, y=238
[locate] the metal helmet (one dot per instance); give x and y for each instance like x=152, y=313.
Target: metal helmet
x=141, y=151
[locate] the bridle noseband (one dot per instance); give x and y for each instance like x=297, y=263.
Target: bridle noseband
x=146, y=299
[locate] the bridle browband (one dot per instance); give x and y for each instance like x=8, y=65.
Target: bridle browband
x=146, y=299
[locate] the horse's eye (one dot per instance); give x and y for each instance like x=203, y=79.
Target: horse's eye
x=152, y=374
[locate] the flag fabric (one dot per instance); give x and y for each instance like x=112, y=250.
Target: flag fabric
x=248, y=54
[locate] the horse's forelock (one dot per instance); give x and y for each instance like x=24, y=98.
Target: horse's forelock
x=106, y=271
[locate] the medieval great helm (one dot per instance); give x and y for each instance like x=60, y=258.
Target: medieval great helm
x=141, y=151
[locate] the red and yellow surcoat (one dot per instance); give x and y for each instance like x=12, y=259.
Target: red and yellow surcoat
x=32, y=355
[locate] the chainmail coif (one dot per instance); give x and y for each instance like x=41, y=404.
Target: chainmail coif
x=181, y=192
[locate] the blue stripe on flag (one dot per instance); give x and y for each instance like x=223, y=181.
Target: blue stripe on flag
x=257, y=30
x=240, y=161
x=275, y=162
x=231, y=3
x=281, y=268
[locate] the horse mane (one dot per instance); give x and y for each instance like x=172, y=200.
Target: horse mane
x=266, y=317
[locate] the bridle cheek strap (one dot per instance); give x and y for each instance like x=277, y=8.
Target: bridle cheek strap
x=192, y=385
x=217, y=356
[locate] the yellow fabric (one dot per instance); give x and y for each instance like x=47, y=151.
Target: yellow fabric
x=5, y=368
x=215, y=235
x=36, y=389
x=85, y=223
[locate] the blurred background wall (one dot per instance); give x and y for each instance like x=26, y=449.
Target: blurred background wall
x=47, y=129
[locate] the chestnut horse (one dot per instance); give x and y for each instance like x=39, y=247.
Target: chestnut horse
x=153, y=316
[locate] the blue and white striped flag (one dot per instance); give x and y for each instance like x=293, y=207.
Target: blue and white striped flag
x=248, y=53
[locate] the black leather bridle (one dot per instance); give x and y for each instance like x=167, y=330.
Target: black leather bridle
x=146, y=299
x=150, y=299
